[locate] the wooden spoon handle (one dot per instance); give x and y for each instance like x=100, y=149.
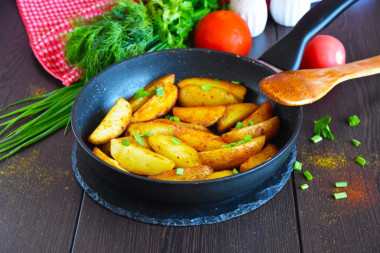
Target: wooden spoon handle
x=367, y=67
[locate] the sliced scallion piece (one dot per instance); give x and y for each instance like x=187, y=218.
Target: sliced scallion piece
x=159, y=91
x=175, y=140
x=360, y=160
x=304, y=186
x=250, y=122
x=206, y=87
x=173, y=118
x=340, y=195
x=141, y=93
x=316, y=138
x=341, y=184
x=139, y=139
x=235, y=171
x=126, y=142
x=235, y=82
x=308, y=175
x=355, y=142
x=179, y=171
x=297, y=166
x=353, y=120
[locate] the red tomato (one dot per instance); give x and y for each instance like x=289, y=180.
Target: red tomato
x=225, y=31
x=323, y=51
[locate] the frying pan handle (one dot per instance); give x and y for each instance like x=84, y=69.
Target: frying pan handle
x=287, y=53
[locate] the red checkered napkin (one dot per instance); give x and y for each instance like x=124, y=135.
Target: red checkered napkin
x=46, y=21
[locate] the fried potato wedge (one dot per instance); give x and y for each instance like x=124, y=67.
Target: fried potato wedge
x=193, y=95
x=219, y=174
x=155, y=127
x=238, y=90
x=182, y=125
x=263, y=113
x=200, y=140
x=113, y=124
x=181, y=154
x=269, y=128
x=262, y=156
x=139, y=160
x=232, y=157
x=157, y=106
x=233, y=114
x=195, y=173
x=107, y=159
x=136, y=103
x=202, y=115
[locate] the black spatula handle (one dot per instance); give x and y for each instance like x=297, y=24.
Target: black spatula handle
x=287, y=53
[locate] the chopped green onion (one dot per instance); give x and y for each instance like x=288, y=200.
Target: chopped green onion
x=233, y=144
x=139, y=139
x=148, y=133
x=235, y=171
x=250, y=122
x=216, y=80
x=316, y=138
x=308, y=175
x=297, y=166
x=141, y=93
x=353, y=120
x=360, y=160
x=206, y=87
x=235, y=82
x=126, y=142
x=239, y=125
x=159, y=91
x=341, y=184
x=175, y=140
x=179, y=171
x=355, y=142
x=321, y=127
x=340, y=195
x=176, y=119
x=304, y=186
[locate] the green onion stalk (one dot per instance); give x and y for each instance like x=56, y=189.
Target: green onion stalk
x=126, y=30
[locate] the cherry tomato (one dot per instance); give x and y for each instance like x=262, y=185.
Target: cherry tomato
x=323, y=51
x=223, y=30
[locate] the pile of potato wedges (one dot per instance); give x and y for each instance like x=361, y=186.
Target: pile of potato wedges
x=162, y=131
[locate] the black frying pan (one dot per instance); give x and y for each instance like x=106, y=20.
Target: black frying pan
x=125, y=78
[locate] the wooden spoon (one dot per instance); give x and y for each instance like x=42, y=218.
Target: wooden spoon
x=300, y=87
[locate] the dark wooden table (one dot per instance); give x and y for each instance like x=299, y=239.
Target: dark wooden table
x=43, y=209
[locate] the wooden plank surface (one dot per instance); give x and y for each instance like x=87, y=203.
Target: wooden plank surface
x=39, y=197
x=352, y=224
x=270, y=228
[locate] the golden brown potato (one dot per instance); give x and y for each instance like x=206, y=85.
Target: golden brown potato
x=231, y=157
x=139, y=160
x=238, y=90
x=235, y=113
x=263, y=113
x=113, y=124
x=180, y=153
x=189, y=174
x=219, y=174
x=155, y=127
x=262, y=156
x=192, y=95
x=182, y=125
x=136, y=103
x=107, y=159
x=200, y=140
x=269, y=128
x=157, y=106
x=204, y=116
